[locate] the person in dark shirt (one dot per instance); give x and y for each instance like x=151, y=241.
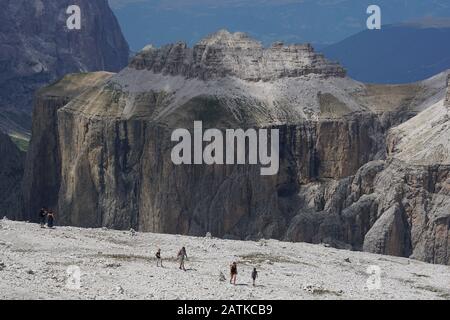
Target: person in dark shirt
x=254, y=276
x=50, y=219
x=182, y=255
x=233, y=273
x=158, y=258
x=42, y=216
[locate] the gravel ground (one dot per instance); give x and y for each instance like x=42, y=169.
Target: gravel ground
x=34, y=264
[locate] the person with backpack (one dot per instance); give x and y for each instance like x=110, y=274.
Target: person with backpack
x=254, y=276
x=158, y=258
x=182, y=255
x=233, y=273
x=50, y=219
x=42, y=216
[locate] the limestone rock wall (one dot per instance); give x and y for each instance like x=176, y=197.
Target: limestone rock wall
x=11, y=171
x=41, y=179
x=123, y=171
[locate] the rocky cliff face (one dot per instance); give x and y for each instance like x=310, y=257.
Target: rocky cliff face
x=334, y=185
x=11, y=171
x=37, y=48
x=413, y=217
x=42, y=173
x=412, y=191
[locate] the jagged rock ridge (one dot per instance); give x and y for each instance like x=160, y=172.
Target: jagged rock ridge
x=224, y=53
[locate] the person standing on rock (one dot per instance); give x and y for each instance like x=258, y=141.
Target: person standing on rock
x=50, y=219
x=158, y=258
x=254, y=276
x=233, y=273
x=42, y=216
x=182, y=255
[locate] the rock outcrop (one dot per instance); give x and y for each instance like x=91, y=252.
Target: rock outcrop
x=11, y=172
x=334, y=185
x=43, y=165
x=37, y=48
x=413, y=212
x=236, y=55
x=412, y=192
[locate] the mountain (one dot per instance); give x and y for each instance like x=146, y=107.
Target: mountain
x=37, y=48
x=341, y=181
x=399, y=53
x=115, y=265
x=294, y=21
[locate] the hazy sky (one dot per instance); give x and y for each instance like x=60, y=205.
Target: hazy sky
x=318, y=21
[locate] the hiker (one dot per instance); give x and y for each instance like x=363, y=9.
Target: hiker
x=158, y=258
x=254, y=276
x=42, y=216
x=233, y=273
x=182, y=255
x=50, y=219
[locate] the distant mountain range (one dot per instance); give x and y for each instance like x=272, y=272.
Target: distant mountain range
x=321, y=22
x=399, y=53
